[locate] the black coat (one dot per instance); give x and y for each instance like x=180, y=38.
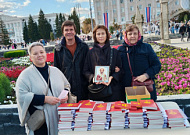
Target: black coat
x=101, y=57
x=143, y=59
x=72, y=66
x=182, y=30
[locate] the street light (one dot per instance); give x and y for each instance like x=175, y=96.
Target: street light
x=91, y=15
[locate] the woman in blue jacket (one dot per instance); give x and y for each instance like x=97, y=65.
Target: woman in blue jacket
x=144, y=61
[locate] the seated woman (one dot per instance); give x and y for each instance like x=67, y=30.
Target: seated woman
x=33, y=92
x=144, y=61
x=100, y=55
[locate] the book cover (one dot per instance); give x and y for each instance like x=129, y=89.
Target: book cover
x=148, y=104
x=136, y=104
x=69, y=106
x=173, y=114
x=122, y=106
x=113, y=109
x=88, y=104
x=100, y=107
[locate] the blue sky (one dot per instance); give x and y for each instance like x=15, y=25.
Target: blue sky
x=26, y=7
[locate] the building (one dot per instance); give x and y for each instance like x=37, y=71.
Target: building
x=15, y=25
x=122, y=11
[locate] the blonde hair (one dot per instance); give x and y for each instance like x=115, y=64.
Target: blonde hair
x=34, y=44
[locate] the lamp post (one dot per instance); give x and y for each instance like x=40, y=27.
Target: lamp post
x=78, y=5
x=91, y=15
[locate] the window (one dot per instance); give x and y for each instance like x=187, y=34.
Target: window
x=121, y=1
x=158, y=5
x=99, y=21
x=122, y=10
x=97, y=4
x=177, y=2
x=114, y=11
x=131, y=18
x=18, y=24
x=122, y=19
x=149, y=5
x=113, y=2
x=131, y=8
x=115, y=19
x=131, y=0
x=140, y=7
x=49, y=20
x=106, y=3
x=98, y=13
x=158, y=13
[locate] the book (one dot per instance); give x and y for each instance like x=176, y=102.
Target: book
x=148, y=104
x=69, y=106
x=136, y=104
x=122, y=106
x=100, y=107
x=174, y=114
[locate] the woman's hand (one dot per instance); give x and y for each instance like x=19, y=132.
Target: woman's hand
x=117, y=69
x=51, y=100
x=141, y=78
x=107, y=83
x=64, y=99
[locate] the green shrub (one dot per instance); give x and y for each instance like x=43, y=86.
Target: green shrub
x=5, y=88
x=16, y=53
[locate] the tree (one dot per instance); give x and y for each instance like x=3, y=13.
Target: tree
x=3, y=34
x=52, y=36
x=116, y=26
x=111, y=29
x=58, y=22
x=76, y=20
x=44, y=26
x=86, y=28
x=25, y=33
x=32, y=30
x=133, y=18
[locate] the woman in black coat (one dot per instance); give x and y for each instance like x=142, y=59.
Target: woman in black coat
x=99, y=55
x=144, y=61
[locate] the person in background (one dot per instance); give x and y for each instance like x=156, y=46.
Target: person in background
x=69, y=57
x=100, y=55
x=188, y=31
x=182, y=31
x=32, y=86
x=144, y=61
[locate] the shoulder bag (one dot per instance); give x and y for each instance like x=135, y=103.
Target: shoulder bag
x=37, y=119
x=148, y=83
x=100, y=91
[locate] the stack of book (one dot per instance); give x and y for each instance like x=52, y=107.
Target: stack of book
x=117, y=116
x=136, y=119
x=81, y=119
x=175, y=119
x=99, y=116
x=67, y=114
x=155, y=118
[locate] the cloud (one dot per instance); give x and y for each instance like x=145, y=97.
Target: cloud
x=12, y=11
x=79, y=1
x=60, y=0
x=8, y=6
x=82, y=11
x=82, y=19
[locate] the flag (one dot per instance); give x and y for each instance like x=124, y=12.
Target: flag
x=148, y=14
x=105, y=19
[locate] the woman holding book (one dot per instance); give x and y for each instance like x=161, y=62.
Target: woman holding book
x=38, y=88
x=144, y=62
x=102, y=55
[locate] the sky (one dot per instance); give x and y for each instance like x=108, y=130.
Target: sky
x=32, y=7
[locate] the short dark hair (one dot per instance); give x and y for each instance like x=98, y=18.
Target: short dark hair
x=100, y=27
x=131, y=28
x=68, y=23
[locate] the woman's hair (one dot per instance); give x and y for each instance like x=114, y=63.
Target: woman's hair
x=34, y=44
x=131, y=27
x=68, y=23
x=100, y=27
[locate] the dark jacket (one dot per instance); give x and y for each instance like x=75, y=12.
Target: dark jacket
x=182, y=30
x=72, y=67
x=101, y=57
x=143, y=59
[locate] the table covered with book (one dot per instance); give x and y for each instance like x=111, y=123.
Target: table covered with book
x=143, y=116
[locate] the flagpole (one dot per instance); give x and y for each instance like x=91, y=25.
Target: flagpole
x=91, y=15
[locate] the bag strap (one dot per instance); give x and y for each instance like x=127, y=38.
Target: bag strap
x=129, y=61
x=48, y=82
x=111, y=57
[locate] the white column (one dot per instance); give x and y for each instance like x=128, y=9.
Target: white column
x=126, y=11
x=118, y=11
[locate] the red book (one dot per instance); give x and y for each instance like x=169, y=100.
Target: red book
x=69, y=106
x=136, y=104
x=100, y=107
x=122, y=106
x=82, y=101
x=148, y=104
x=174, y=114
x=87, y=104
x=113, y=109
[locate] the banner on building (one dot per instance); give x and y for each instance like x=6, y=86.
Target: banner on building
x=105, y=19
x=148, y=14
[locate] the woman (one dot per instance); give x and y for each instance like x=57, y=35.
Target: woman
x=99, y=55
x=144, y=61
x=32, y=86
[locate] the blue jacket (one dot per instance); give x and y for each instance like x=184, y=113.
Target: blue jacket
x=143, y=59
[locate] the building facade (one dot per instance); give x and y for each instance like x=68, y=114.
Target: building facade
x=122, y=11
x=15, y=25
